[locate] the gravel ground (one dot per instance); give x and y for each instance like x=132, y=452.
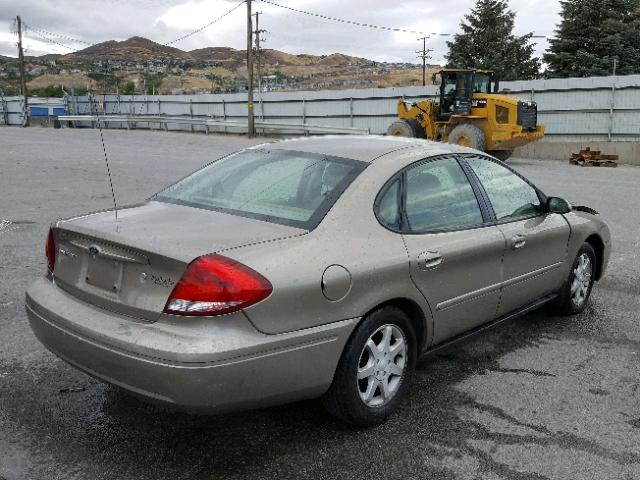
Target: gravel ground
x=539, y=398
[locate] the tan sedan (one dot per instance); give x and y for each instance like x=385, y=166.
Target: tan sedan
x=309, y=268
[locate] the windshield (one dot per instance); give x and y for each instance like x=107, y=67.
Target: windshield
x=279, y=186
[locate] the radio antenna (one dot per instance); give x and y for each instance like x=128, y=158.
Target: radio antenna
x=106, y=158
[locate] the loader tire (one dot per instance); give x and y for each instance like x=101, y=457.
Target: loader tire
x=468, y=136
x=406, y=128
x=502, y=155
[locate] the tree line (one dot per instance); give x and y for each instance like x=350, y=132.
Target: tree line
x=594, y=37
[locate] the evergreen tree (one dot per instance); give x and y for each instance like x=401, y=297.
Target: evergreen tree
x=591, y=34
x=487, y=41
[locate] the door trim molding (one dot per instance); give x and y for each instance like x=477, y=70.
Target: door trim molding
x=530, y=275
x=465, y=297
x=452, y=302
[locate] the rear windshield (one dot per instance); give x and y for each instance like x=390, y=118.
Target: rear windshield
x=278, y=186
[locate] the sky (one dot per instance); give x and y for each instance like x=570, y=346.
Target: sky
x=95, y=21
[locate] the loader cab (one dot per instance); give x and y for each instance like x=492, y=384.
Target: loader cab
x=457, y=88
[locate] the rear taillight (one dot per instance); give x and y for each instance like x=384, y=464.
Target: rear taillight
x=213, y=285
x=50, y=251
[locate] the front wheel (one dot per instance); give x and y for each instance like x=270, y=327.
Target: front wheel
x=468, y=135
x=575, y=293
x=375, y=370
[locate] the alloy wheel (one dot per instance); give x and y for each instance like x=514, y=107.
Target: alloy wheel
x=381, y=366
x=581, y=280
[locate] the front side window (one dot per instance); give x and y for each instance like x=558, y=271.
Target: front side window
x=279, y=186
x=440, y=197
x=509, y=194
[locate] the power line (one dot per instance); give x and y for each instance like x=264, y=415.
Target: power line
x=50, y=40
x=44, y=34
x=350, y=22
x=198, y=30
x=367, y=25
x=57, y=35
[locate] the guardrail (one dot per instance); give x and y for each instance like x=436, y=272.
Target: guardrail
x=209, y=123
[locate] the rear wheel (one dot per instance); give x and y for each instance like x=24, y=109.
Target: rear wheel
x=574, y=295
x=406, y=128
x=502, y=155
x=468, y=136
x=375, y=370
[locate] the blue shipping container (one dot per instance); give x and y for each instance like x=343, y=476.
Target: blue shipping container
x=39, y=111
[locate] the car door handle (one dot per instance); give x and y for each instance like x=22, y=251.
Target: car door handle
x=429, y=260
x=518, y=241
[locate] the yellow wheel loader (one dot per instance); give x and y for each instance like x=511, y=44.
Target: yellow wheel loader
x=469, y=114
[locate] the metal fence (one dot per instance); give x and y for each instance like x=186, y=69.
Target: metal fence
x=598, y=108
x=11, y=109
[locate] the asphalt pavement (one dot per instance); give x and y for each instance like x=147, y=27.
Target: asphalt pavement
x=542, y=397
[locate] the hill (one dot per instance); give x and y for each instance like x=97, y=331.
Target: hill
x=139, y=49
x=138, y=65
x=134, y=49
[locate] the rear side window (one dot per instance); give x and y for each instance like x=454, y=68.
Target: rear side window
x=440, y=197
x=509, y=194
x=389, y=206
x=291, y=188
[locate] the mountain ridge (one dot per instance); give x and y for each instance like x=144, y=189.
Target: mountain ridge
x=140, y=49
x=139, y=64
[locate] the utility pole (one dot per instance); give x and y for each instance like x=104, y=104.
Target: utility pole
x=257, y=33
x=250, y=120
x=23, y=83
x=424, y=54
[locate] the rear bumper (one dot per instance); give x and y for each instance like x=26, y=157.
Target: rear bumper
x=205, y=364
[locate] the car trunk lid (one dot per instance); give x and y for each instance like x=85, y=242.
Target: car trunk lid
x=131, y=266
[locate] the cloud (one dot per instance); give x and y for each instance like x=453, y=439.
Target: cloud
x=164, y=20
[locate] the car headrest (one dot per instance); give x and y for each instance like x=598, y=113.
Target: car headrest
x=425, y=180
x=333, y=175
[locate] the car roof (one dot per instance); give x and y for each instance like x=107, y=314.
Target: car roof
x=365, y=148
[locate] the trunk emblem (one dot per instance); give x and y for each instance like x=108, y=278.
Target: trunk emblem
x=158, y=280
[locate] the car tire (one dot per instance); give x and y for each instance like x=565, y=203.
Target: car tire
x=574, y=294
x=357, y=394
x=406, y=128
x=502, y=155
x=468, y=135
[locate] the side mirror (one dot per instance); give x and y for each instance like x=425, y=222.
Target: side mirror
x=558, y=205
